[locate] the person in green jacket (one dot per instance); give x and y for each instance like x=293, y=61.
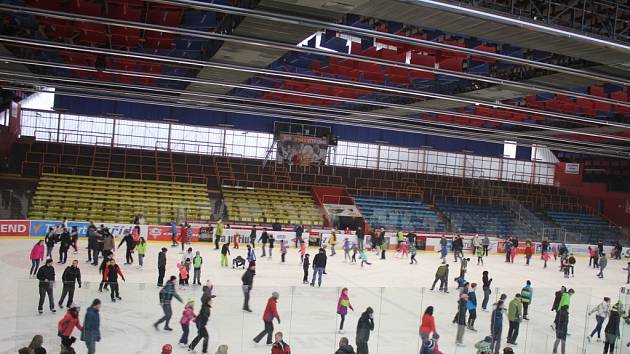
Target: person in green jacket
x=566, y=299
x=141, y=248
x=197, y=261
x=515, y=313
x=400, y=237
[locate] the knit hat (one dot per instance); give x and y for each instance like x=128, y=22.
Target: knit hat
x=275, y=295
x=167, y=349
x=488, y=339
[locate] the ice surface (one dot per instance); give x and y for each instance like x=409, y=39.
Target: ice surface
x=397, y=291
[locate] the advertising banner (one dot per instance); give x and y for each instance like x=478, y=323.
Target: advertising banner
x=342, y=210
x=14, y=228
x=163, y=233
x=301, y=150
x=39, y=228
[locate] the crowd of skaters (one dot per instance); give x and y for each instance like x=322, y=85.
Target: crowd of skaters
x=101, y=244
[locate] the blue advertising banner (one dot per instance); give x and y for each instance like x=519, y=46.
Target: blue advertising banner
x=40, y=227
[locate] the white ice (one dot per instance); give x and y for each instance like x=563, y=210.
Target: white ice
x=397, y=291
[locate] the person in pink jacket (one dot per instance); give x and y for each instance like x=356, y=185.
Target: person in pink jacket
x=187, y=316
x=342, y=307
x=37, y=256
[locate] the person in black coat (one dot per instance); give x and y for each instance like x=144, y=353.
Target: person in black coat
x=364, y=327
x=202, y=333
x=252, y=236
x=612, y=329
x=248, y=282
x=264, y=237
x=305, y=264
x=161, y=266
x=562, y=329
x=46, y=277
x=319, y=265
x=64, y=245
x=70, y=276
x=344, y=347
x=131, y=244
x=360, y=238
x=299, y=230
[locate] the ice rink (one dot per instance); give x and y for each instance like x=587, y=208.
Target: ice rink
x=397, y=291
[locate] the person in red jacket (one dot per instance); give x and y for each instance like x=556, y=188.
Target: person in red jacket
x=110, y=276
x=271, y=312
x=67, y=323
x=428, y=324
x=279, y=346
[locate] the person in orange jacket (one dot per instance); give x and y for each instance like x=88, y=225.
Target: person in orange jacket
x=68, y=322
x=271, y=312
x=110, y=276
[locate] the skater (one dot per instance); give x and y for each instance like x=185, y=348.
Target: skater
x=612, y=329
x=183, y=235
x=463, y=267
x=305, y=264
x=441, y=274
x=603, y=262
x=235, y=240
x=384, y=245
x=342, y=307
x=565, y=267
x=333, y=242
x=554, y=251
x=572, y=262
x=462, y=306
x=355, y=251
x=299, y=230
x=252, y=236
x=507, y=247
x=64, y=245
x=458, y=247
x=202, y=332
x=443, y=251
x=70, y=276
x=485, y=286
x=188, y=315
x=479, y=253
x=404, y=248
x=161, y=266
x=166, y=296
x=66, y=325
x=183, y=276
x=484, y=346
x=187, y=255
x=110, y=275
x=561, y=330
x=46, y=277
x=279, y=345
x=128, y=241
x=346, y=250
x=271, y=312
x=74, y=238
x=225, y=252
x=556, y=304
x=272, y=240
x=472, y=307
x=496, y=326
x=302, y=251
x=628, y=270
x=248, y=282
x=485, y=243
x=427, y=326
x=283, y=250
x=99, y=244
x=474, y=243
x=50, y=239
x=360, y=238
x=319, y=265
x=218, y=234
x=364, y=258
x=108, y=243
x=37, y=256
x=92, y=326
x=101, y=270
x=545, y=257
x=345, y=347
x=526, y=298
x=91, y=237
x=174, y=234
x=601, y=313
x=197, y=261
x=364, y=327
x=251, y=256
x=141, y=247
x=515, y=315
x=591, y=256
x=528, y=251
x=414, y=251
x=264, y=237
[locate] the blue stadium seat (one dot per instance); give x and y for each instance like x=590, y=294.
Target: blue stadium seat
x=393, y=214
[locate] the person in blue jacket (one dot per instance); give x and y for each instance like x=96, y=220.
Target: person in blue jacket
x=92, y=326
x=472, y=307
x=496, y=326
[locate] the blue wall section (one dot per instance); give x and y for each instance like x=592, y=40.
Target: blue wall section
x=265, y=124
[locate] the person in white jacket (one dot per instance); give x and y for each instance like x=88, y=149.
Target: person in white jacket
x=601, y=311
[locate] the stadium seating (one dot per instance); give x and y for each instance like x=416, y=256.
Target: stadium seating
x=589, y=227
x=270, y=205
x=483, y=219
x=393, y=214
x=118, y=200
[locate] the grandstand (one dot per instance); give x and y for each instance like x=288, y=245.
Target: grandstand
x=117, y=200
x=394, y=214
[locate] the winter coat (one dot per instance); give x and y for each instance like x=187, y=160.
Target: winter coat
x=128, y=241
x=197, y=261
x=111, y=273
x=343, y=304
x=71, y=275
x=496, y=322
x=306, y=263
x=602, y=310
x=203, y=316
x=345, y=349
x=462, y=307
x=161, y=259
x=458, y=244
x=248, y=278
x=264, y=237
x=319, y=261
x=428, y=324
x=46, y=275
x=108, y=243
x=271, y=310
x=612, y=328
x=472, y=300
x=486, y=281
x=556, y=300
x=603, y=262
x=91, y=326
x=187, y=315
x=68, y=322
x=280, y=348
x=564, y=300
x=251, y=256
x=563, y=324
x=442, y=272
x=364, y=327
x=527, y=294
x=219, y=231
x=167, y=293
x=141, y=248
x=183, y=273
x=515, y=310
x=37, y=252
x=225, y=249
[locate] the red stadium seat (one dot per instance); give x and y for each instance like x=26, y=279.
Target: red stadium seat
x=159, y=40
x=124, y=10
x=93, y=34
x=57, y=29
x=165, y=16
x=83, y=7
x=125, y=37
x=452, y=64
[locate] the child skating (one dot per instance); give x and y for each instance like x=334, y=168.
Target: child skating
x=364, y=258
x=342, y=307
x=414, y=251
x=225, y=252
x=188, y=315
x=346, y=250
